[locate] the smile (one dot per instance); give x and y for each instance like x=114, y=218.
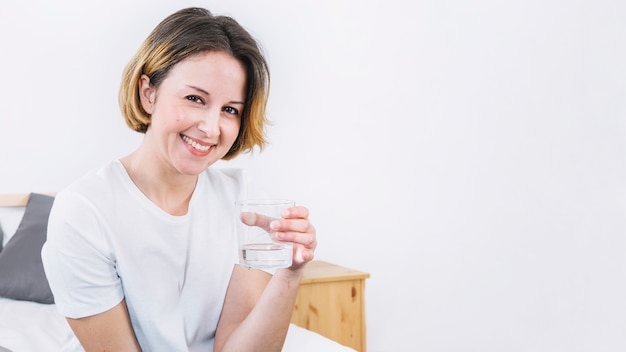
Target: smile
x=194, y=144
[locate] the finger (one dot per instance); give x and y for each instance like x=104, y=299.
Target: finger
x=292, y=225
x=254, y=219
x=298, y=211
x=308, y=240
x=302, y=255
x=308, y=255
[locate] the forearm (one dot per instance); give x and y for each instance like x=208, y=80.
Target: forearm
x=265, y=327
x=107, y=331
x=257, y=309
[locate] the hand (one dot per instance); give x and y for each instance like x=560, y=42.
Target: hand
x=294, y=227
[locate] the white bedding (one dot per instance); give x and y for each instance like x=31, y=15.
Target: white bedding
x=29, y=326
x=33, y=327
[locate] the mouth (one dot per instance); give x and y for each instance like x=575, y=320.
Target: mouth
x=199, y=146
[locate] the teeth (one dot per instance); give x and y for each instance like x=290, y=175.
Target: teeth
x=196, y=146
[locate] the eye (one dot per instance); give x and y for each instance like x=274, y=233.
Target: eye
x=195, y=99
x=231, y=110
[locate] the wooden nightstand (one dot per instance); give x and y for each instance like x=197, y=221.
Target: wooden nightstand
x=331, y=302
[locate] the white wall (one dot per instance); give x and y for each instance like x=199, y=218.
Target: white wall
x=470, y=155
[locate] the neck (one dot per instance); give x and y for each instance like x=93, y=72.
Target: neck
x=160, y=182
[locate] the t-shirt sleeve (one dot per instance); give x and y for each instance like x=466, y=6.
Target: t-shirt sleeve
x=78, y=261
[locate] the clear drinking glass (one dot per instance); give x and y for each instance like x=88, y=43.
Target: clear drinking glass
x=258, y=247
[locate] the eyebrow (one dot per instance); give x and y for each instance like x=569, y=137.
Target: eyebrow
x=207, y=93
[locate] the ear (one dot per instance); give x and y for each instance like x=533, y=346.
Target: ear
x=147, y=94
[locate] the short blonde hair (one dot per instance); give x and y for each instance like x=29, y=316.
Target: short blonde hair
x=186, y=33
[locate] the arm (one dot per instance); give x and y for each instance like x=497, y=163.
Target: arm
x=258, y=307
x=81, y=272
x=107, y=331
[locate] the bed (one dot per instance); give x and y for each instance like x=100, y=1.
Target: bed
x=29, y=321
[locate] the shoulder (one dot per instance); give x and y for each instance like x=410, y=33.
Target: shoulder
x=97, y=179
x=97, y=185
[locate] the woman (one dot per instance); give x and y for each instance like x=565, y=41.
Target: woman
x=140, y=253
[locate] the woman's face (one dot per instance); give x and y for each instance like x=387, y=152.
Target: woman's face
x=196, y=111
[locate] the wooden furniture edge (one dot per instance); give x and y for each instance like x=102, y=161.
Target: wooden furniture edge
x=17, y=199
x=14, y=200
x=322, y=271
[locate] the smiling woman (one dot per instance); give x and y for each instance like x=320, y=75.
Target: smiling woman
x=161, y=220
x=173, y=44
x=470, y=155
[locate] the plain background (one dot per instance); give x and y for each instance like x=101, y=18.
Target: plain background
x=469, y=155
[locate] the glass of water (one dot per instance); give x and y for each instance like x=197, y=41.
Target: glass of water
x=258, y=247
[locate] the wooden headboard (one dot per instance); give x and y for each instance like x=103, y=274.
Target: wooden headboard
x=16, y=199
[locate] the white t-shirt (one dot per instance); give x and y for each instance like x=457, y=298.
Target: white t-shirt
x=107, y=241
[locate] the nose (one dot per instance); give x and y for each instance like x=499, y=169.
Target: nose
x=209, y=124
